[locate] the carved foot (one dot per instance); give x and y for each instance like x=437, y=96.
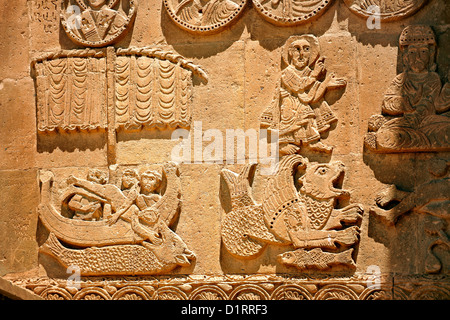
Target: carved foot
x=351, y=213
x=287, y=149
x=348, y=236
x=386, y=196
x=386, y=216
x=320, y=147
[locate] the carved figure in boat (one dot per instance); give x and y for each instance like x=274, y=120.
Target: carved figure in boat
x=131, y=222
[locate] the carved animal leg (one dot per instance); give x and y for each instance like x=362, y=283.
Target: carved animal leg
x=389, y=194
x=324, y=239
x=349, y=214
x=288, y=148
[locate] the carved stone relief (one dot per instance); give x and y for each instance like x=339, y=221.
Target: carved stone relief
x=430, y=198
x=304, y=216
x=290, y=12
x=299, y=110
x=71, y=91
x=46, y=12
x=234, y=287
x=151, y=87
x=386, y=10
x=114, y=229
x=97, y=23
x=415, y=111
x=204, y=17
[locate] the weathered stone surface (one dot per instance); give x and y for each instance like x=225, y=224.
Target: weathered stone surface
x=134, y=151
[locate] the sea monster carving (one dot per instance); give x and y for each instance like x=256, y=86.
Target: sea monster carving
x=130, y=233
x=306, y=219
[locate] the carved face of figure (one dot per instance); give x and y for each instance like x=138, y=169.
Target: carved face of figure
x=97, y=176
x=417, y=57
x=300, y=53
x=149, y=182
x=95, y=4
x=129, y=179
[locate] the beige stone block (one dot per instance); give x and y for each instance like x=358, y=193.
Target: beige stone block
x=18, y=132
x=19, y=197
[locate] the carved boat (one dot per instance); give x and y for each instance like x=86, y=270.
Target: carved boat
x=99, y=233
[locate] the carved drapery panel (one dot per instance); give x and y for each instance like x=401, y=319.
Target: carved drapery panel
x=151, y=88
x=71, y=91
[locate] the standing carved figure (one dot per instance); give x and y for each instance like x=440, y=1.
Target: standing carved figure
x=299, y=111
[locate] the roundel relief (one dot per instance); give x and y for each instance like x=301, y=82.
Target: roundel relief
x=290, y=12
x=384, y=9
x=97, y=23
x=204, y=17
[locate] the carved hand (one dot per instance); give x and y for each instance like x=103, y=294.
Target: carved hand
x=319, y=67
x=113, y=219
x=72, y=179
x=333, y=82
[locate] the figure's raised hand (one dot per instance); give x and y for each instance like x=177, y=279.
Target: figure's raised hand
x=72, y=179
x=334, y=82
x=319, y=67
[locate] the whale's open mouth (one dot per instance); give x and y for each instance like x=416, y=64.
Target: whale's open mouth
x=184, y=259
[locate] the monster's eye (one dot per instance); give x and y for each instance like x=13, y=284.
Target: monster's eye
x=321, y=170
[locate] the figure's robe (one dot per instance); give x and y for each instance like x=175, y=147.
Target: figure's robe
x=411, y=99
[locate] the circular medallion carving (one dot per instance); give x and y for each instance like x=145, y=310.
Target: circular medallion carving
x=55, y=293
x=430, y=292
x=92, y=294
x=249, y=292
x=290, y=12
x=208, y=293
x=291, y=292
x=386, y=10
x=204, y=16
x=169, y=293
x=335, y=292
x=97, y=23
x=131, y=293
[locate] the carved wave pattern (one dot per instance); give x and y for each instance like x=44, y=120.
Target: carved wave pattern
x=63, y=99
x=151, y=92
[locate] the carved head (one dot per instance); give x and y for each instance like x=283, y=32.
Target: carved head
x=320, y=179
x=129, y=178
x=96, y=4
x=97, y=176
x=418, y=46
x=301, y=51
x=150, y=181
